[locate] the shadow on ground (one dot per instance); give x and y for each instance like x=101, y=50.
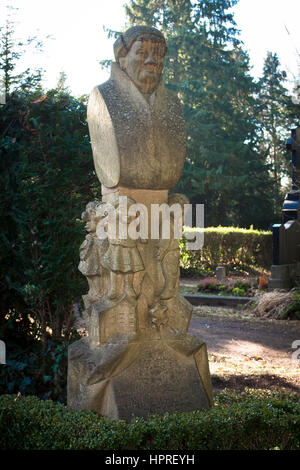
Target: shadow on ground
x=239, y=382
x=229, y=336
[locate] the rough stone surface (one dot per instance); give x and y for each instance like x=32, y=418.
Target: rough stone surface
x=282, y=276
x=135, y=144
x=221, y=273
x=136, y=378
x=138, y=358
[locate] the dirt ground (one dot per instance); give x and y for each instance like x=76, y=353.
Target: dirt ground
x=247, y=352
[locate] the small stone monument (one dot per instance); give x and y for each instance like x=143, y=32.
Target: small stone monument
x=285, y=269
x=138, y=358
x=221, y=273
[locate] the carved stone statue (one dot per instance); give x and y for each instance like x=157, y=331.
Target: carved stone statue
x=136, y=126
x=91, y=252
x=138, y=357
x=122, y=258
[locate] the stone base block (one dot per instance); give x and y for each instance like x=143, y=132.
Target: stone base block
x=280, y=277
x=221, y=273
x=129, y=378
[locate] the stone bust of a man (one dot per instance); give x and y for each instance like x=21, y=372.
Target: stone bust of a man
x=136, y=125
x=140, y=53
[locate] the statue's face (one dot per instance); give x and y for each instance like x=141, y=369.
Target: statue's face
x=144, y=63
x=89, y=218
x=90, y=226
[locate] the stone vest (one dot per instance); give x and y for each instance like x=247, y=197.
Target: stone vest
x=135, y=144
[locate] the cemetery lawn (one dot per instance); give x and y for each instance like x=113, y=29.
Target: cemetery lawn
x=245, y=351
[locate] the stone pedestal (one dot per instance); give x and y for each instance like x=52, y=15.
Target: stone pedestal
x=133, y=377
x=280, y=277
x=138, y=358
x=284, y=276
x=286, y=248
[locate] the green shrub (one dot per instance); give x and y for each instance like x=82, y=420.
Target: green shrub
x=250, y=420
x=238, y=292
x=246, y=286
x=227, y=246
x=240, y=289
x=30, y=367
x=47, y=177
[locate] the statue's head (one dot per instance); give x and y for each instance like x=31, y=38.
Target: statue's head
x=89, y=216
x=140, y=52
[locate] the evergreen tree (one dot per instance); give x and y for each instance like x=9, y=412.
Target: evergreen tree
x=11, y=51
x=274, y=125
x=57, y=182
x=46, y=179
x=295, y=99
x=14, y=87
x=209, y=71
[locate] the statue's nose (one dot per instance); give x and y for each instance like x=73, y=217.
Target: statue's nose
x=150, y=59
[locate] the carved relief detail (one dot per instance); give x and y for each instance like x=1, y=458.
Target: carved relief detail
x=143, y=274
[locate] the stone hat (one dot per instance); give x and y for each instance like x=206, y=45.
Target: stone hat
x=124, y=42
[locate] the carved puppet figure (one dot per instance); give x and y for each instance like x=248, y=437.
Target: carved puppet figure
x=122, y=258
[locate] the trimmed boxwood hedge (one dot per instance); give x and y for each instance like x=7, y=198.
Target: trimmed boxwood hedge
x=231, y=247
x=250, y=420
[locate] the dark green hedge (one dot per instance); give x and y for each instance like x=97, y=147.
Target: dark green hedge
x=250, y=420
x=231, y=247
